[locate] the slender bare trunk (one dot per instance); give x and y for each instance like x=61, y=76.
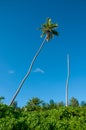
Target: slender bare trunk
x=67, y=81
x=28, y=72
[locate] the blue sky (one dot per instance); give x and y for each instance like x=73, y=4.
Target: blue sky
x=20, y=39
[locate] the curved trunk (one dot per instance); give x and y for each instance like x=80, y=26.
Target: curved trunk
x=67, y=81
x=28, y=73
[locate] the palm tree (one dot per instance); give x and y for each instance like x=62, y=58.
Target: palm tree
x=49, y=30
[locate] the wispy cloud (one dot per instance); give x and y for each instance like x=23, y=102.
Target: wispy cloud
x=38, y=70
x=11, y=72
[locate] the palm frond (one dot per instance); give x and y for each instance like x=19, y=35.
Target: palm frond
x=48, y=29
x=55, y=32
x=53, y=26
x=48, y=21
x=43, y=33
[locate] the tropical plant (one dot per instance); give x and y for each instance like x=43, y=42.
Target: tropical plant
x=60, y=118
x=74, y=102
x=15, y=104
x=34, y=104
x=1, y=99
x=47, y=29
x=60, y=104
x=83, y=103
x=52, y=104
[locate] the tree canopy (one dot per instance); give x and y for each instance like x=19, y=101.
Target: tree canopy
x=44, y=116
x=49, y=29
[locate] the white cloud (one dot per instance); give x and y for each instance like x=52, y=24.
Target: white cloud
x=11, y=72
x=38, y=70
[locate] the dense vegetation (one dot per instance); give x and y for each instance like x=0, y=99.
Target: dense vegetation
x=37, y=115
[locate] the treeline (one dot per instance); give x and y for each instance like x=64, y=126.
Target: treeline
x=38, y=115
x=37, y=104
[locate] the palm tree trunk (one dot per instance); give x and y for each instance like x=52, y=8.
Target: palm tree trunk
x=28, y=72
x=67, y=81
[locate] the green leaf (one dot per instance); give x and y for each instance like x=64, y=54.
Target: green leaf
x=55, y=32
x=48, y=29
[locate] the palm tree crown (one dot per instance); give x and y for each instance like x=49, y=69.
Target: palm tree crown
x=49, y=29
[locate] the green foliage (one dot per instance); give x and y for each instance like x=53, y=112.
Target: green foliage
x=74, y=102
x=60, y=104
x=52, y=104
x=1, y=99
x=48, y=29
x=14, y=104
x=83, y=103
x=33, y=104
x=43, y=117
